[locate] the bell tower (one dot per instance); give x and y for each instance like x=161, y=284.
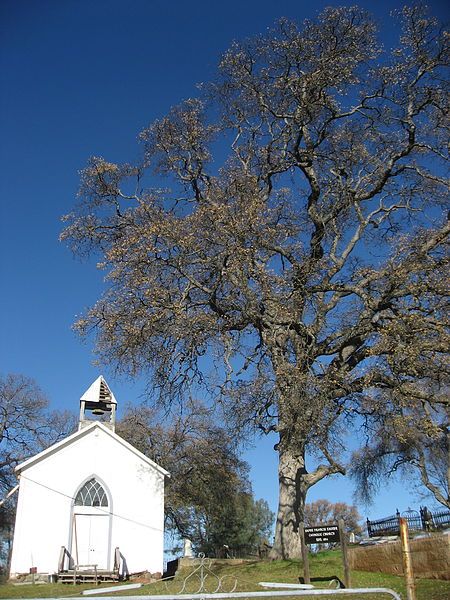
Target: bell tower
x=98, y=404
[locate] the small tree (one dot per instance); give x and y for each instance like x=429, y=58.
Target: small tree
x=323, y=511
x=26, y=427
x=7, y=518
x=22, y=423
x=304, y=195
x=242, y=528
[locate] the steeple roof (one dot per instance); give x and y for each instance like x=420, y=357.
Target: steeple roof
x=99, y=391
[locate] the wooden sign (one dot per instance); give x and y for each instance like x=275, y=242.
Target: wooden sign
x=322, y=534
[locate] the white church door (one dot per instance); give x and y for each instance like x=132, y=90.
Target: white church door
x=91, y=526
x=92, y=533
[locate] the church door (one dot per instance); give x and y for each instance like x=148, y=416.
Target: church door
x=91, y=526
x=92, y=532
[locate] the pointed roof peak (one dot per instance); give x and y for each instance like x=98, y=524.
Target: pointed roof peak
x=99, y=391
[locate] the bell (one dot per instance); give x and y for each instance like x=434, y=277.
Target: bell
x=98, y=411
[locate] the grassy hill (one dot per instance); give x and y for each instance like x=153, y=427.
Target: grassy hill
x=248, y=574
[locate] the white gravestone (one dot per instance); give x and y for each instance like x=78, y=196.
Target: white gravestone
x=187, y=549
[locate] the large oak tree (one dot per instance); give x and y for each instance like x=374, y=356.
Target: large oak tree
x=295, y=213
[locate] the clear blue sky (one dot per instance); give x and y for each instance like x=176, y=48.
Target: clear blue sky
x=81, y=78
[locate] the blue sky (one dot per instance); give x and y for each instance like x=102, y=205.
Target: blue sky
x=82, y=78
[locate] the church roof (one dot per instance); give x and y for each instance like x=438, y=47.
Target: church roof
x=80, y=434
x=99, y=391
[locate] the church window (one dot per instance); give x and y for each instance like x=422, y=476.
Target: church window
x=91, y=494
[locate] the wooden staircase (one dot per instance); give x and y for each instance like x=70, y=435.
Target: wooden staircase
x=86, y=573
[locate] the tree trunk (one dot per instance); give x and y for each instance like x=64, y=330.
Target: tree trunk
x=448, y=463
x=291, y=503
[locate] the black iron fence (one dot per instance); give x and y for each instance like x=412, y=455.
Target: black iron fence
x=422, y=520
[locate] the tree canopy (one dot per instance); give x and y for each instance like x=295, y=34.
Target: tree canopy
x=26, y=426
x=298, y=241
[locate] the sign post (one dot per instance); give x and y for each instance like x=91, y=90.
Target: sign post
x=305, y=558
x=325, y=534
x=347, y=576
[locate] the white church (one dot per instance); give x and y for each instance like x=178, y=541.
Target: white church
x=90, y=503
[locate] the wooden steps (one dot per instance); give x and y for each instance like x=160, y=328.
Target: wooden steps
x=86, y=573
x=87, y=576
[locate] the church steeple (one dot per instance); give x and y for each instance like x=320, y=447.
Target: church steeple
x=98, y=400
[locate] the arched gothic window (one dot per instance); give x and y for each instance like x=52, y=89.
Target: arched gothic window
x=91, y=494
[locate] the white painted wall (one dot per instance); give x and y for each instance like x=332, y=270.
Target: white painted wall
x=45, y=504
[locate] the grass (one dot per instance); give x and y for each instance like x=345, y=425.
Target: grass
x=248, y=574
